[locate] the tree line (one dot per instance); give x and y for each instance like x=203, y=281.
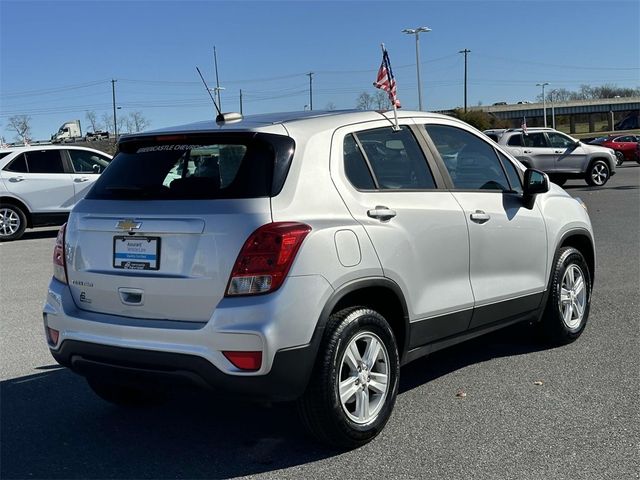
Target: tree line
x=134, y=122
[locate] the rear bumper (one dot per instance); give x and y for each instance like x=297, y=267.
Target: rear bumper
x=286, y=380
x=281, y=325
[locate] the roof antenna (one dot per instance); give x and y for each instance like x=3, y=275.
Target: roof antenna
x=222, y=118
x=209, y=92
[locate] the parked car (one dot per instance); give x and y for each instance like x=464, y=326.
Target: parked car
x=559, y=155
x=307, y=256
x=627, y=147
x=39, y=185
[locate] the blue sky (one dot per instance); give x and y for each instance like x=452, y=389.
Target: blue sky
x=57, y=58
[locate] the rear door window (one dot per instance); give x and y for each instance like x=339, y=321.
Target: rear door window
x=201, y=168
x=87, y=162
x=45, y=161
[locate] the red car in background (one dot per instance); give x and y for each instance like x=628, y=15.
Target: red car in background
x=626, y=147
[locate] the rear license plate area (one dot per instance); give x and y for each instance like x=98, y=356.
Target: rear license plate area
x=136, y=253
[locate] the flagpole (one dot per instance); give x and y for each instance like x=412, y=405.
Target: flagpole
x=395, y=110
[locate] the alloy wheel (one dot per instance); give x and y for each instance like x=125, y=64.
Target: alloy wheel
x=9, y=222
x=599, y=174
x=363, y=380
x=573, y=296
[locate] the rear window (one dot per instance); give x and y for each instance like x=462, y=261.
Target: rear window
x=209, y=168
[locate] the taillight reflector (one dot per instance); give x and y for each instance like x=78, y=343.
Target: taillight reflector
x=249, y=361
x=266, y=257
x=59, y=260
x=52, y=336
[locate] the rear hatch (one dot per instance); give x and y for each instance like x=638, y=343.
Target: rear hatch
x=158, y=234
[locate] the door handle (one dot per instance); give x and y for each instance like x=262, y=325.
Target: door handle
x=81, y=179
x=381, y=213
x=559, y=151
x=480, y=217
x=16, y=179
x=528, y=151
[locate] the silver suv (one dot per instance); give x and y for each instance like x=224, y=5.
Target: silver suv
x=558, y=154
x=306, y=257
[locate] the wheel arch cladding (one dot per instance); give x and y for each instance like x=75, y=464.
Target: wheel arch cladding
x=382, y=296
x=583, y=243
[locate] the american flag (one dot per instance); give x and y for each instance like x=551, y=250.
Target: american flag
x=386, y=81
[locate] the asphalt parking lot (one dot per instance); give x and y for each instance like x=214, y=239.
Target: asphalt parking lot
x=529, y=412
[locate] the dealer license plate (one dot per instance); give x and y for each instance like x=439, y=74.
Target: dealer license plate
x=136, y=253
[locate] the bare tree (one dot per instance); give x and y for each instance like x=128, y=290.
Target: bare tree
x=137, y=122
x=381, y=100
x=92, y=118
x=108, y=122
x=21, y=125
x=364, y=101
x=330, y=106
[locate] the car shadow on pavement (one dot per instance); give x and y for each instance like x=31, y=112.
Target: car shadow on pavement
x=53, y=426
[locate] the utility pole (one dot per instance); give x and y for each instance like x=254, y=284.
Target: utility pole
x=310, y=75
x=465, y=51
x=240, y=101
x=115, y=122
x=215, y=62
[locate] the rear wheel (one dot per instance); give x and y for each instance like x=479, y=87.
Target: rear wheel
x=124, y=394
x=619, y=158
x=13, y=222
x=598, y=173
x=567, y=309
x=353, y=388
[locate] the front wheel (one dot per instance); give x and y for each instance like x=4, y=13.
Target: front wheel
x=598, y=173
x=354, y=384
x=619, y=158
x=569, y=301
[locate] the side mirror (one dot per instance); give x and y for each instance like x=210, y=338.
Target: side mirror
x=535, y=182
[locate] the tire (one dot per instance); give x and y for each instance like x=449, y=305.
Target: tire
x=598, y=173
x=559, y=180
x=619, y=158
x=567, y=309
x=13, y=222
x=125, y=395
x=351, y=337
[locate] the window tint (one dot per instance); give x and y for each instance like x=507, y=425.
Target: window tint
x=472, y=163
x=535, y=140
x=45, y=161
x=396, y=159
x=87, y=162
x=4, y=154
x=355, y=166
x=512, y=173
x=195, y=169
x=515, y=140
x=558, y=140
x=18, y=165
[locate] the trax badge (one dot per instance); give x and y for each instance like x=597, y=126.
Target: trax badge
x=128, y=225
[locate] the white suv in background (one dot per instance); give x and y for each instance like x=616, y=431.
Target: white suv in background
x=307, y=256
x=40, y=184
x=558, y=154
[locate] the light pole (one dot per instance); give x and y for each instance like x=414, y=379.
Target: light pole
x=416, y=32
x=466, y=51
x=115, y=122
x=544, y=101
x=553, y=109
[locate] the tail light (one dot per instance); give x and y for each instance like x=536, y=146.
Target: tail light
x=266, y=257
x=59, y=260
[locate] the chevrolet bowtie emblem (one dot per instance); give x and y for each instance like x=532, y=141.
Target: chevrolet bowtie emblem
x=128, y=225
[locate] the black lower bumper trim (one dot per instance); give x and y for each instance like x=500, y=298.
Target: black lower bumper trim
x=287, y=379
